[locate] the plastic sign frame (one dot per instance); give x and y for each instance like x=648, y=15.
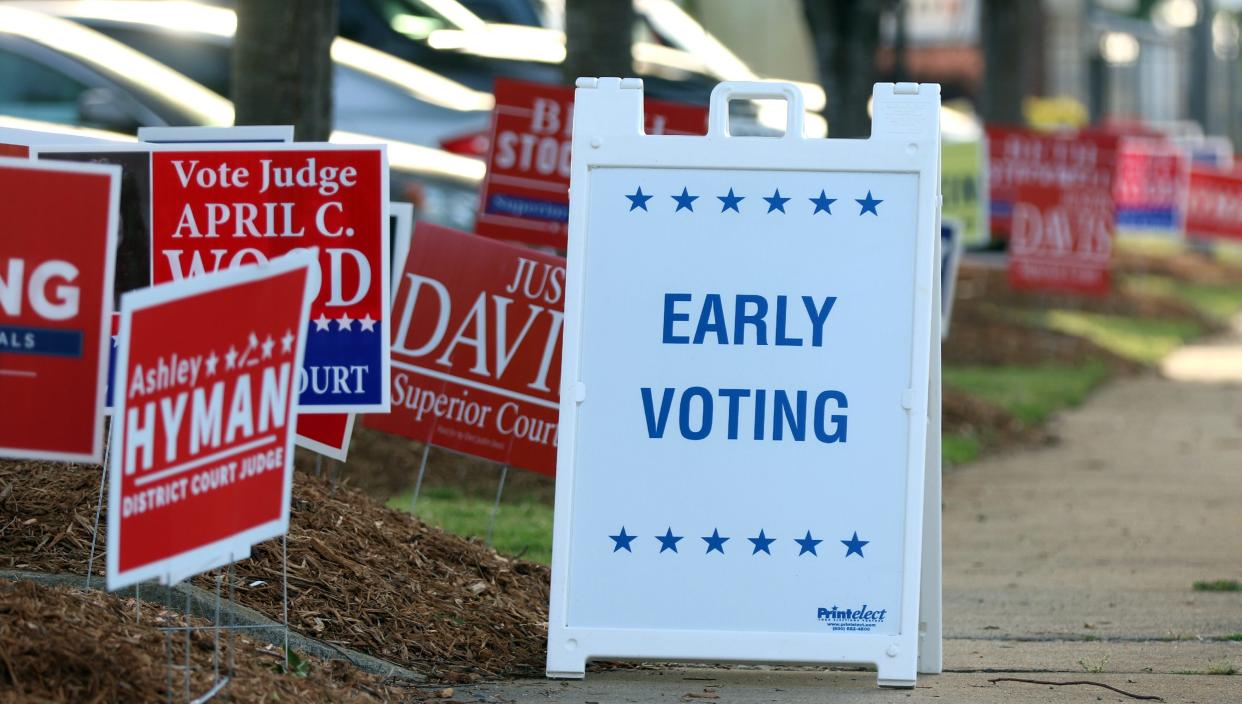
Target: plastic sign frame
x=608, y=137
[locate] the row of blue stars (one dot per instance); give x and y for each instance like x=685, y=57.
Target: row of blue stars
x=715, y=542
x=776, y=202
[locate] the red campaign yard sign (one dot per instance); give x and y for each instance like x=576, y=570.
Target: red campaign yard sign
x=202, y=461
x=525, y=193
x=1056, y=198
x=57, y=254
x=326, y=433
x=477, y=348
x=1214, y=207
x=220, y=206
x=1151, y=185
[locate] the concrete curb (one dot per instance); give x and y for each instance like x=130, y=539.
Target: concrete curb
x=258, y=626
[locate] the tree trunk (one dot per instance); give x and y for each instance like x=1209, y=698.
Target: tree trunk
x=1006, y=28
x=845, y=34
x=599, y=38
x=282, y=65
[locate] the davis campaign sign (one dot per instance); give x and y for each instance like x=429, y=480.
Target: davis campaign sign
x=56, y=269
x=476, y=348
x=220, y=207
x=526, y=191
x=745, y=387
x=206, y=394
x=1054, y=197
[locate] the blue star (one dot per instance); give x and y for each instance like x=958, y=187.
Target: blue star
x=854, y=545
x=868, y=204
x=823, y=203
x=761, y=543
x=776, y=202
x=808, y=544
x=638, y=200
x=622, y=541
x=730, y=202
x=715, y=542
x=668, y=541
x=685, y=201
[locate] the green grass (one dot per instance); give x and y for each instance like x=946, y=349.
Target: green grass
x=523, y=526
x=1218, y=585
x=1219, y=302
x=1030, y=393
x=1220, y=668
x=1232, y=636
x=959, y=449
x=1143, y=340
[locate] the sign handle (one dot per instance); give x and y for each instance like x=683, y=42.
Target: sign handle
x=724, y=93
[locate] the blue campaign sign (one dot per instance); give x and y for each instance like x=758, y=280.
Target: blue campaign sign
x=950, y=257
x=751, y=319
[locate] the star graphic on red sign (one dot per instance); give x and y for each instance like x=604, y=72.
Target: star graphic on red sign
x=321, y=323
x=286, y=342
x=230, y=357
x=368, y=325
x=268, y=343
x=212, y=361
x=344, y=322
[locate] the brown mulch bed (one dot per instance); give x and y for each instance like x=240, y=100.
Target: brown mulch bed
x=74, y=645
x=1186, y=266
x=963, y=414
x=360, y=575
x=990, y=286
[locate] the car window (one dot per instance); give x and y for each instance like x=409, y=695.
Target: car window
x=202, y=60
x=29, y=89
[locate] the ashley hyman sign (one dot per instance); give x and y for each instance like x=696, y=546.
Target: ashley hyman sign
x=205, y=399
x=744, y=425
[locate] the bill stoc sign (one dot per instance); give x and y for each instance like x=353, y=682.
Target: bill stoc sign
x=56, y=268
x=525, y=194
x=476, y=349
x=744, y=403
x=205, y=399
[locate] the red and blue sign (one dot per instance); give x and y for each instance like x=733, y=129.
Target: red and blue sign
x=525, y=194
x=216, y=208
x=56, y=269
x=1151, y=184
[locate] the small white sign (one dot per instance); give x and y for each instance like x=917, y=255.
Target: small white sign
x=745, y=394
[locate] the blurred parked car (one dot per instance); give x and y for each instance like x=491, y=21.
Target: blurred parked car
x=57, y=72
x=374, y=92
x=677, y=59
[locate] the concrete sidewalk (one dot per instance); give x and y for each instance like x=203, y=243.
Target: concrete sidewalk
x=1072, y=562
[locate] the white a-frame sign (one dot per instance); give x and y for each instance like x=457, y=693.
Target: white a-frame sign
x=749, y=421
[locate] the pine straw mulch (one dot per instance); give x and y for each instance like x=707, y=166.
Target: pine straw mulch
x=73, y=645
x=360, y=575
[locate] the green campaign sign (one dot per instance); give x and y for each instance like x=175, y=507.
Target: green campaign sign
x=964, y=189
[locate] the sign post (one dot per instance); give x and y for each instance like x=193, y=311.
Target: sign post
x=56, y=268
x=747, y=387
